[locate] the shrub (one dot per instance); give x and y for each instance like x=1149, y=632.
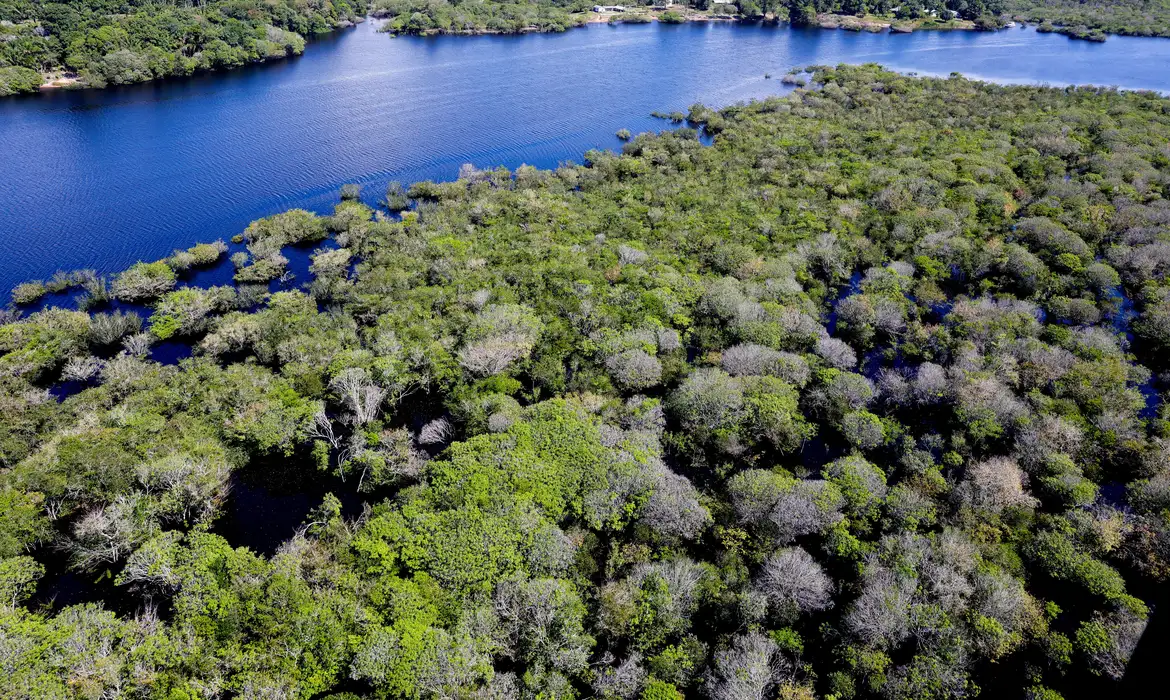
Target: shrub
x=143, y=281
x=15, y=80
x=396, y=197
x=28, y=293
x=109, y=328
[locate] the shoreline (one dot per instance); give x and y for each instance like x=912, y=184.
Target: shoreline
x=62, y=79
x=67, y=80
x=670, y=123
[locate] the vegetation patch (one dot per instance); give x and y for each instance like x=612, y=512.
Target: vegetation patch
x=863, y=400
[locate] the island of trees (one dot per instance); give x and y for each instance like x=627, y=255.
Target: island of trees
x=861, y=401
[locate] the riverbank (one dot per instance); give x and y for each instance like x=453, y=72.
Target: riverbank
x=61, y=79
x=57, y=80
x=41, y=49
x=875, y=23
x=224, y=149
x=672, y=15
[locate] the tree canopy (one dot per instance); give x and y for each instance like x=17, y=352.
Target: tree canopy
x=864, y=399
x=115, y=42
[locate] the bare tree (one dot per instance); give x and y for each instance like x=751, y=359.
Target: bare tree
x=1001, y=597
x=106, y=534
x=946, y=570
x=500, y=335
x=493, y=355
x=502, y=686
x=893, y=387
x=995, y=484
x=542, y=622
x=674, y=508
x=748, y=670
x=723, y=299
x=881, y=614
x=82, y=369
x=643, y=415
x=1046, y=436
x=979, y=395
x=138, y=345
x=930, y=383
x=359, y=395
x=109, y=328
x=805, y=507
x=155, y=566
x=707, y=400
x=622, y=681
x=795, y=583
x=435, y=432
x=749, y=359
x=322, y=429
x=801, y=331
x=1112, y=638
x=836, y=353
x=628, y=255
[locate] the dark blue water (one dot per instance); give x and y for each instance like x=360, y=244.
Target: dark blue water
x=100, y=179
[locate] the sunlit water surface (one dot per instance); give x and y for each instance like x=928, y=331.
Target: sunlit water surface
x=100, y=179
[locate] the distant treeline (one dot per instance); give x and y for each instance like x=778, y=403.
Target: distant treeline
x=1091, y=20
x=131, y=41
x=440, y=16
x=111, y=42
x=1084, y=20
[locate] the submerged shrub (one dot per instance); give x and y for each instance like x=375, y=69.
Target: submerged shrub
x=143, y=281
x=28, y=293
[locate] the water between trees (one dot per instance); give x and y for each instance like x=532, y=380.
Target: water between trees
x=100, y=179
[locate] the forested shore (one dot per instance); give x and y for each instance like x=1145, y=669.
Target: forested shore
x=1095, y=20
x=862, y=400
x=1076, y=19
x=95, y=43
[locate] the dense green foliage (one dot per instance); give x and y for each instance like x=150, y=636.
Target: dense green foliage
x=1085, y=20
x=1076, y=18
x=803, y=12
x=1093, y=20
x=129, y=41
x=114, y=42
x=509, y=17
x=847, y=403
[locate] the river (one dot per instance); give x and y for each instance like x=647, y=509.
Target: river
x=100, y=179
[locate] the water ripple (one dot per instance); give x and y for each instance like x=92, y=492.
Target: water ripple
x=103, y=178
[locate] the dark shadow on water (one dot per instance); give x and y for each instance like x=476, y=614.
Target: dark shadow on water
x=170, y=352
x=62, y=586
x=1147, y=667
x=269, y=501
